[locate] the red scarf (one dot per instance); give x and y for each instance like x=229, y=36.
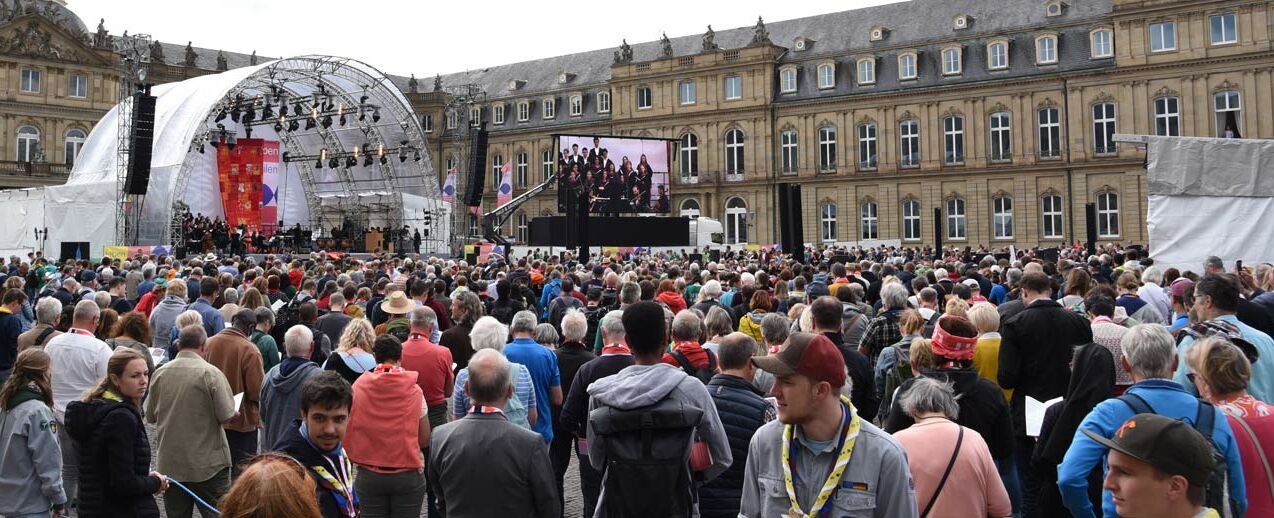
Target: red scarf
x=616, y=348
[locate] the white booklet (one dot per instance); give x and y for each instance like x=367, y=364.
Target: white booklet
x=1035, y=414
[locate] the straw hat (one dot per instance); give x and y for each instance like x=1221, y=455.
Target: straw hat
x=397, y=303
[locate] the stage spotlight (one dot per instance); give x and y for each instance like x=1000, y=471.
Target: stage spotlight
x=362, y=115
x=201, y=148
x=318, y=164
x=247, y=131
x=376, y=115
x=333, y=163
x=231, y=140
x=286, y=157
x=417, y=157
x=327, y=121
x=342, y=120
x=367, y=160
x=234, y=113
x=293, y=125
x=384, y=160
x=283, y=109
x=278, y=126
x=309, y=123
x=298, y=109
x=221, y=115
x=363, y=99
x=268, y=111
x=350, y=162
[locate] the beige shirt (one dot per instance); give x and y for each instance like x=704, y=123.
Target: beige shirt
x=189, y=399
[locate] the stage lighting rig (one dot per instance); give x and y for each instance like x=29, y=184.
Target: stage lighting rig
x=278, y=125
x=318, y=164
x=268, y=111
x=376, y=115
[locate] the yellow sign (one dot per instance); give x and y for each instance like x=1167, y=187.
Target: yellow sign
x=116, y=252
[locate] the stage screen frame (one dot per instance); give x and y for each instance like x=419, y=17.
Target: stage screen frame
x=658, y=151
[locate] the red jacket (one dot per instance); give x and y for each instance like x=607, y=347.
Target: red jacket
x=673, y=300
x=692, y=351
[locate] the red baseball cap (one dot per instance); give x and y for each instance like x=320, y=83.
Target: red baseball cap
x=810, y=355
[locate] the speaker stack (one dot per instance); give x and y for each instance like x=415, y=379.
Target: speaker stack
x=1090, y=216
x=477, y=164
x=790, y=227
x=141, y=141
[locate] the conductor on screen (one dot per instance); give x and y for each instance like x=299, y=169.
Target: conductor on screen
x=610, y=188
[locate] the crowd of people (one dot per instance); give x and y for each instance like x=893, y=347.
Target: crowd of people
x=879, y=382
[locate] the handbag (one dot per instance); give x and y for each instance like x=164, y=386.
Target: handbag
x=945, y=474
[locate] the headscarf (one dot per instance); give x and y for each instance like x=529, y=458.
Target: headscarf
x=1092, y=381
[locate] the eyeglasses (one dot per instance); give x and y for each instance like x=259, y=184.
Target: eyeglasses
x=1191, y=377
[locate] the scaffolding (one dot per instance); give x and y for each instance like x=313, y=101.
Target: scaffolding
x=134, y=52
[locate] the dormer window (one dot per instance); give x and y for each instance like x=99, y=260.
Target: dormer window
x=827, y=75
x=961, y=22
x=878, y=33
x=565, y=77
x=1046, y=49
x=997, y=55
x=1054, y=8
x=867, y=71
x=515, y=84
x=907, y=65
x=952, y=64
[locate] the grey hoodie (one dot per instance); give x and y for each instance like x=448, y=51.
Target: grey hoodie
x=642, y=385
x=30, y=460
x=162, y=319
x=281, y=399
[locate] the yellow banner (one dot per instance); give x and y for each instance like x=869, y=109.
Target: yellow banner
x=116, y=252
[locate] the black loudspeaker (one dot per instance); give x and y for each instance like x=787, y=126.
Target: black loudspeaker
x=791, y=231
x=74, y=250
x=937, y=230
x=1090, y=217
x=141, y=140
x=477, y=165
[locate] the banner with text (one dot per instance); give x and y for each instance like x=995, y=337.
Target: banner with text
x=240, y=174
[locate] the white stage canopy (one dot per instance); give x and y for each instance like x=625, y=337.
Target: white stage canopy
x=184, y=160
x=1210, y=196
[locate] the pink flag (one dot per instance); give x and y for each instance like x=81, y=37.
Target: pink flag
x=505, y=194
x=449, y=187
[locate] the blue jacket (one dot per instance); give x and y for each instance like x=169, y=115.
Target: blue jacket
x=550, y=292
x=213, y=322
x=1167, y=398
x=1261, y=386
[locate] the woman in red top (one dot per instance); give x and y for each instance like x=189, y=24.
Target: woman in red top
x=147, y=302
x=667, y=293
x=388, y=428
x=1221, y=373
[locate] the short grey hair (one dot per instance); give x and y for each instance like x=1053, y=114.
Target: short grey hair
x=775, y=327
x=1014, y=276
x=546, y=334
x=613, y=326
x=574, y=325
x=928, y=395
x=711, y=290
x=893, y=296
x=86, y=310
x=231, y=296
x=488, y=333
x=718, y=321
x=928, y=295
x=102, y=299
x=336, y=300
x=629, y=293
x=1214, y=262
x=47, y=310
x=297, y=341
x=523, y=322
x=191, y=337
x=1152, y=275
x=422, y=317
x=735, y=350
x=1150, y=351
x=686, y=326
x=489, y=376
x=244, y=320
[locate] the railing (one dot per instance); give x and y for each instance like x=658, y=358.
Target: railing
x=16, y=168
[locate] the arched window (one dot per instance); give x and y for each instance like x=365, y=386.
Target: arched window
x=826, y=75
x=1051, y=216
x=736, y=221
x=1108, y=214
x=734, y=154
x=1102, y=43
x=690, y=208
x=74, y=143
x=689, y=158
x=956, y=219
x=870, y=220
x=827, y=222
x=1228, y=111
x=997, y=55
x=1046, y=50
x=911, y=220
x=907, y=65
x=28, y=143
x=867, y=71
x=1002, y=217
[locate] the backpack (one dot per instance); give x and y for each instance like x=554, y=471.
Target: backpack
x=1218, y=487
x=515, y=409
x=399, y=328
x=647, y=453
x=594, y=317
x=894, y=378
x=289, y=315
x=702, y=374
x=503, y=311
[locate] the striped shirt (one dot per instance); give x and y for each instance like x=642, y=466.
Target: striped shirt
x=523, y=388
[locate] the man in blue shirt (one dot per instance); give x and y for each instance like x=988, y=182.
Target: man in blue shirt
x=1216, y=297
x=1148, y=354
x=543, y=366
x=213, y=322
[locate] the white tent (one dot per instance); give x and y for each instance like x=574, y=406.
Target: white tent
x=1210, y=196
x=189, y=121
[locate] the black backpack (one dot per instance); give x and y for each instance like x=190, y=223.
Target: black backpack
x=287, y=316
x=594, y=317
x=503, y=311
x=647, y=453
x=705, y=374
x=1218, y=488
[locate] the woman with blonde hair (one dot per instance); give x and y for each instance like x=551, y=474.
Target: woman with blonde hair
x=271, y=486
x=188, y=317
x=986, y=354
x=353, y=356
x=115, y=476
x=29, y=454
x=957, y=307
x=1221, y=374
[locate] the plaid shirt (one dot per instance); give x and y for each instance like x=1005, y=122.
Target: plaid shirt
x=881, y=332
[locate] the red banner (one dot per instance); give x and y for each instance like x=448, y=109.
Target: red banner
x=239, y=173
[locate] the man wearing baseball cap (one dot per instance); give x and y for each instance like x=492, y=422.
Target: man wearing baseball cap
x=806, y=454
x=1159, y=467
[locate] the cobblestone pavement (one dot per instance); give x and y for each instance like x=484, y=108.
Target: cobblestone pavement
x=573, y=505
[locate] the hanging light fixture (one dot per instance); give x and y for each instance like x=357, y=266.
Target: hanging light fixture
x=318, y=164
x=376, y=115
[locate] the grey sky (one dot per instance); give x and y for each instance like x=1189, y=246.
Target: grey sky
x=427, y=37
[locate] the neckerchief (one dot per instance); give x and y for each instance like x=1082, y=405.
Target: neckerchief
x=335, y=476
x=483, y=409
x=78, y=331
x=848, y=436
x=616, y=348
